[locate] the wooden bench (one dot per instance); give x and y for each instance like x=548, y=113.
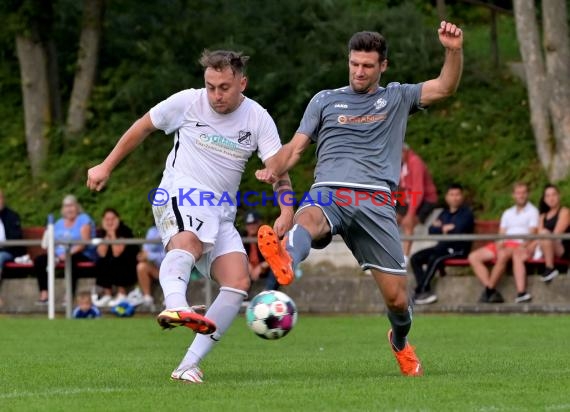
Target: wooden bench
x=16, y=270
x=492, y=227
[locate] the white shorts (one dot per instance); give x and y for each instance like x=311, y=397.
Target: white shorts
x=209, y=223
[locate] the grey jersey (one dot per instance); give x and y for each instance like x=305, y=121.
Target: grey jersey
x=359, y=136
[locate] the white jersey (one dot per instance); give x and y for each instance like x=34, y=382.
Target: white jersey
x=211, y=149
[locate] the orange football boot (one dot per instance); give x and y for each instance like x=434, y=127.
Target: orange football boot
x=275, y=255
x=170, y=318
x=409, y=363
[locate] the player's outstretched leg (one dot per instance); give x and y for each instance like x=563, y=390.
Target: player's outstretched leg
x=185, y=316
x=284, y=256
x=275, y=254
x=174, y=276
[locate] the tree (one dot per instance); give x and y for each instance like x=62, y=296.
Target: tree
x=86, y=66
x=32, y=25
x=35, y=19
x=547, y=73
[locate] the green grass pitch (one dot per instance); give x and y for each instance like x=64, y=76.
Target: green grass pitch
x=340, y=363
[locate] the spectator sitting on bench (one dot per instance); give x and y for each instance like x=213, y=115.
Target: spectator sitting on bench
x=10, y=229
x=454, y=219
x=117, y=263
x=520, y=219
x=74, y=224
x=554, y=218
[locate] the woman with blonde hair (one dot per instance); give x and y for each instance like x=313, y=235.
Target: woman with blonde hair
x=74, y=224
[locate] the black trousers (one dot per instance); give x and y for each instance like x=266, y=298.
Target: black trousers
x=425, y=263
x=40, y=269
x=116, y=271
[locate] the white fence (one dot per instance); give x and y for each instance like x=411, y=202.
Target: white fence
x=49, y=243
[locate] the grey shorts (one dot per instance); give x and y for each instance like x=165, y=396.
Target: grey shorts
x=367, y=224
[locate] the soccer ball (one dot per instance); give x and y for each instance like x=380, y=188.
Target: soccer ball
x=123, y=310
x=271, y=314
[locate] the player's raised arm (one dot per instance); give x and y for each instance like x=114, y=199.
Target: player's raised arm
x=98, y=175
x=284, y=160
x=451, y=37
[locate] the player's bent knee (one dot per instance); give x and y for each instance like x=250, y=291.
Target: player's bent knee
x=397, y=305
x=240, y=283
x=188, y=242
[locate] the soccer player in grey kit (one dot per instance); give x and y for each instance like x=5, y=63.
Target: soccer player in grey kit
x=359, y=131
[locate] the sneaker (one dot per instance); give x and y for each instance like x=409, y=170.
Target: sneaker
x=425, y=298
x=496, y=297
x=549, y=274
x=147, y=300
x=135, y=297
x=191, y=374
x=41, y=302
x=275, y=255
x=102, y=301
x=409, y=363
x=170, y=318
x=523, y=297
x=484, y=298
x=121, y=297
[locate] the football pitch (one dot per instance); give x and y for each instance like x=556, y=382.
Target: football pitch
x=339, y=363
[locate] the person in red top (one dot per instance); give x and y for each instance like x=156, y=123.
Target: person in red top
x=421, y=195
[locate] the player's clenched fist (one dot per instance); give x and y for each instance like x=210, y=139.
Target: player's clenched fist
x=97, y=176
x=450, y=36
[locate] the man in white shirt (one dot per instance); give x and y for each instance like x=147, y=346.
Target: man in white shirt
x=520, y=219
x=216, y=130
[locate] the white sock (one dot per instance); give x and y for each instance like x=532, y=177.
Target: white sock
x=223, y=311
x=174, y=276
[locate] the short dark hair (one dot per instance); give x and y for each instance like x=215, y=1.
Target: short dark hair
x=455, y=185
x=220, y=59
x=369, y=41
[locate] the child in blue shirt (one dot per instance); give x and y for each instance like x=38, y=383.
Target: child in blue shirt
x=85, y=308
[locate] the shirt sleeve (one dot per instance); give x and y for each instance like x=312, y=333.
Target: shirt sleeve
x=464, y=222
x=411, y=95
x=168, y=115
x=436, y=230
x=311, y=121
x=268, y=142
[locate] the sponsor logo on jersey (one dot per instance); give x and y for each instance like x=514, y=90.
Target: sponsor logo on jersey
x=380, y=103
x=223, y=145
x=367, y=118
x=341, y=106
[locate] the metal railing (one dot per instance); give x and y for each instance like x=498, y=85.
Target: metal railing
x=49, y=243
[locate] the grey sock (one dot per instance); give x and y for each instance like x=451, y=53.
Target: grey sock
x=401, y=323
x=298, y=244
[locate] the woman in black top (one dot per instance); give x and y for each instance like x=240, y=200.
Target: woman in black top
x=554, y=218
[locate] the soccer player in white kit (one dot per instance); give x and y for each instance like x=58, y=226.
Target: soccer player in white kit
x=216, y=130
